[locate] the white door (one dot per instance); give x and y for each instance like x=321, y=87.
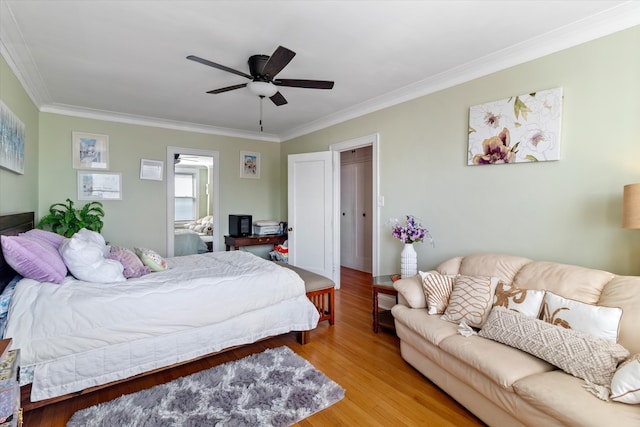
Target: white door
x=310, y=216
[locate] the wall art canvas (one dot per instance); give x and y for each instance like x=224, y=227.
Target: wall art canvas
x=519, y=129
x=99, y=186
x=12, y=140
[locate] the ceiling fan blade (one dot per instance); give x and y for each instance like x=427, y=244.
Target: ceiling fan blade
x=227, y=89
x=280, y=58
x=218, y=66
x=278, y=99
x=308, y=84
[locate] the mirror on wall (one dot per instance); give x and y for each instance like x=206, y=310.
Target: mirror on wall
x=192, y=214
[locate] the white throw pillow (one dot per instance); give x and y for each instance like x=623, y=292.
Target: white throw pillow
x=471, y=300
x=527, y=302
x=85, y=260
x=437, y=290
x=594, y=320
x=625, y=384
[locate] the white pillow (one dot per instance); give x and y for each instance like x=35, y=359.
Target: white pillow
x=471, y=300
x=527, y=302
x=85, y=260
x=594, y=320
x=92, y=236
x=625, y=384
x=437, y=289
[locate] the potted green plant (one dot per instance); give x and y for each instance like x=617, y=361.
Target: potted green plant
x=67, y=220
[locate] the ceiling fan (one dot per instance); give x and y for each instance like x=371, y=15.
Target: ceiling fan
x=263, y=70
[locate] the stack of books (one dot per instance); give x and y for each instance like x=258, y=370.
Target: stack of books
x=9, y=385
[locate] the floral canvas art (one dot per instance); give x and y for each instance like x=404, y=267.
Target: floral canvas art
x=519, y=129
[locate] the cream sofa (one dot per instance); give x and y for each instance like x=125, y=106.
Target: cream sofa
x=504, y=386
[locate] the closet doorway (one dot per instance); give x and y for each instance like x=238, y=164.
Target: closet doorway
x=356, y=208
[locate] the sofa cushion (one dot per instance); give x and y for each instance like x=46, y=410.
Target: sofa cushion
x=625, y=385
x=430, y=327
x=591, y=358
x=570, y=281
x=471, y=300
x=502, y=364
x=437, y=290
x=563, y=397
x=495, y=265
x=527, y=302
x=591, y=319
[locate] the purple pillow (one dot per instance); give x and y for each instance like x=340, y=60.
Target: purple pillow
x=33, y=258
x=133, y=267
x=49, y=237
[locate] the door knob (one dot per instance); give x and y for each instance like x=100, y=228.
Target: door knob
x=290, y=229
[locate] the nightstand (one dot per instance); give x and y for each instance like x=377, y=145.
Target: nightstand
x=382, y=318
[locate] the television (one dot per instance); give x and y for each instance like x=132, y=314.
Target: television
x=240, y=225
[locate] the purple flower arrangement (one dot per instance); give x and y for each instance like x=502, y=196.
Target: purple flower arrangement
x=411, y=232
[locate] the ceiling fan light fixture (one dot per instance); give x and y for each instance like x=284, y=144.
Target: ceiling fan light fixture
x=267, y=89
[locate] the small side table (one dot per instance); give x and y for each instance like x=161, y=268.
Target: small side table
x=382, y=318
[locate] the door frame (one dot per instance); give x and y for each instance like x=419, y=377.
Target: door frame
x=372, y=140
x=171, y=152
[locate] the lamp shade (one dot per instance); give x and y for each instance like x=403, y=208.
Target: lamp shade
x=631, y=206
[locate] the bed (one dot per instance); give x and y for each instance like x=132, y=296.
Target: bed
x=77, y=336
x=188, y=242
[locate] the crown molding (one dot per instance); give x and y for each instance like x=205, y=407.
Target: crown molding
x=616, y=19
x=68, y=110
x=20, y=61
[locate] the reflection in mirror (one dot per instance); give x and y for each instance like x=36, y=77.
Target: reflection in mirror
x=192, y=201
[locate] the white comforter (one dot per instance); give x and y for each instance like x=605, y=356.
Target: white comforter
x=50, y=323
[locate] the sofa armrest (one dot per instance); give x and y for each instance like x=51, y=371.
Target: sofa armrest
x=410, y=292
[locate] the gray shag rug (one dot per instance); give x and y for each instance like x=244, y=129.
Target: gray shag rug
x=273, y=388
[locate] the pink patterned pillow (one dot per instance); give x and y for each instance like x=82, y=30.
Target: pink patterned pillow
x=33, y=259
x=133, y=267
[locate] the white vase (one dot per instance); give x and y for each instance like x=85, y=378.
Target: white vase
x=408, y=261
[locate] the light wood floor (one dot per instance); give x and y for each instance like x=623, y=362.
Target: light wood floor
x=381, y=388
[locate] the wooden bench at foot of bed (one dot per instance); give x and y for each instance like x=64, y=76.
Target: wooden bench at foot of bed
x=320, y=290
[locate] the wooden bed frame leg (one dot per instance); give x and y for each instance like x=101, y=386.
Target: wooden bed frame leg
x=303, y=337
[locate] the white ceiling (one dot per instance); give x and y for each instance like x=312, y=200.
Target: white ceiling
x=125, y=60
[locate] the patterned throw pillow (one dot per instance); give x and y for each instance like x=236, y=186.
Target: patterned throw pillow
x=625, y=384
x=527, y=302
x=133, y=267
x=591, y=319
x=581, y=355
x=151, y=259
x=437, y=290
x=471, y=300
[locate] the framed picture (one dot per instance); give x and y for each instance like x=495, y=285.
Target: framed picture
x=151, y=169
x=249, y=164
x=90, y=151
x=11, y=140
x=99, y=186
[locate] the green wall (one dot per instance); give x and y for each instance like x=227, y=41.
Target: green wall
x=19, y=193
x=139, y=219
x=567, y=211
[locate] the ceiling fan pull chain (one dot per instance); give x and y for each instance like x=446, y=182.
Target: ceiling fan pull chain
x=261, y=100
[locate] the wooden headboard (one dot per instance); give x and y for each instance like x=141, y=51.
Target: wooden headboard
x=12, y=225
